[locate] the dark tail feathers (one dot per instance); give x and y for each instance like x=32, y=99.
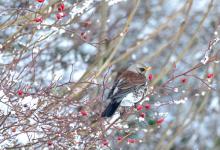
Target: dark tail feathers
x=110, y=109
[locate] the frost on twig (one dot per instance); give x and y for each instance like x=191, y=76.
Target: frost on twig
x=212, y=43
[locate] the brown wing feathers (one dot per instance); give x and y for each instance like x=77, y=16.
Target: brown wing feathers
x=131, y=79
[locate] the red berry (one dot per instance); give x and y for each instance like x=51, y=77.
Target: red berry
x=105, y=142
x=38, y=19
x=13, y=129
x=61, y=7
x=148, y=106
x=49, y=143
x=142, y=115
x=139, y=107
x=159, y=121
x=86, y=24
x=150, y=77
x=131, y=140
x=60, y=15
x=210, y=75
x=83, y=35
x=184, y=80
x=20, y=92
x=83, y=113
x=119, y=138
x=40, y=1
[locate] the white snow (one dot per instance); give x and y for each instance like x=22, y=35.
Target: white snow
x=29, y=101
x=4, y=105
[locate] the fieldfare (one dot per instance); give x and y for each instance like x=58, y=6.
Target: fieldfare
x=127, y=85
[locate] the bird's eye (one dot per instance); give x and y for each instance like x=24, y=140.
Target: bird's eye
x=142, y=69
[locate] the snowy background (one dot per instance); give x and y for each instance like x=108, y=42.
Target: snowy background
x=47, y=100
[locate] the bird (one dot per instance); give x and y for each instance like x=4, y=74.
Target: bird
x=126, y=83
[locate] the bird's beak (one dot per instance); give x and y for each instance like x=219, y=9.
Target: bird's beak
x=147, y=68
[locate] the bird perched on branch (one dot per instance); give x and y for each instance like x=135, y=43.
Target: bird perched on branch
x=126, y=86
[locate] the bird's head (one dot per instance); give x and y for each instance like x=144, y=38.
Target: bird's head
x=139, y=68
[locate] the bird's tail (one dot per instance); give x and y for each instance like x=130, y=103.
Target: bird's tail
x=110, y=109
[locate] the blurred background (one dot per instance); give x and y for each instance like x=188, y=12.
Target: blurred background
x=58, y=58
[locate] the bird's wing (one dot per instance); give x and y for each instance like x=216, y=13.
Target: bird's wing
x=114, y=88
x=125, y=84
x=131, y=79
